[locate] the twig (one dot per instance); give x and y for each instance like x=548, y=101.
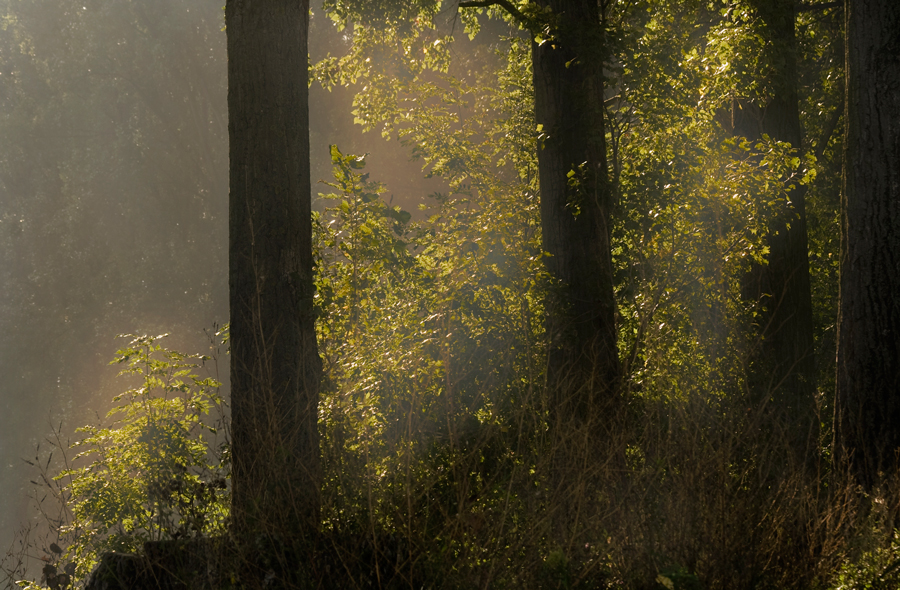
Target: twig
x=822, y=6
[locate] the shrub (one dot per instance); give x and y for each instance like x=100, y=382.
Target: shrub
x=157, y=469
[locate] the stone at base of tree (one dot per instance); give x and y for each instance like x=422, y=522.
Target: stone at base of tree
x=163, y=565
x=117, y=571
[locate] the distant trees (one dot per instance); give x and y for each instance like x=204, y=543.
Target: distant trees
x=113, y=183
x=275, y=367
x=867, y=419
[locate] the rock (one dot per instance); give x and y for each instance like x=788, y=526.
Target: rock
x=118, y=571
x=188, y=564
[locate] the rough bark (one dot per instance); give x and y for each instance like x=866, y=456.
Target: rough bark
x=782, y=364
x=576, y=202
x=867, y=406
x=275, y=366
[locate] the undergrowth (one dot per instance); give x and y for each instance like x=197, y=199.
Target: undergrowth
x=156, y=468
x=441, y=460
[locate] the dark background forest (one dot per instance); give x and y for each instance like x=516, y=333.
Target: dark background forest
x=579, y=288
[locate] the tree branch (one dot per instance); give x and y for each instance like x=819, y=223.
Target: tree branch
x=504, y=4
x=822, y=6
x=829, y=130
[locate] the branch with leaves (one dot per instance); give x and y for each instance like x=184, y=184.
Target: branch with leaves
x=528, y=21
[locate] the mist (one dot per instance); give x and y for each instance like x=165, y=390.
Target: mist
x=577, y=311
x=114, y=201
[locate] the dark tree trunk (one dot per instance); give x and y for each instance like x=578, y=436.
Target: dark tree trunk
x=275, y=366
x=576, y=202
x=782, y=363
x=868, y=358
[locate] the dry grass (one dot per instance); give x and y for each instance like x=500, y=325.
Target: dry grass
x=699, y=492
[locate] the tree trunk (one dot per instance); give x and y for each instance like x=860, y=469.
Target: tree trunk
x=782, y=364
x=867, y=420
x=275, y=366
x=576, y=202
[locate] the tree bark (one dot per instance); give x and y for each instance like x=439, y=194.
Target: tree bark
x=576, y=203
x=275, y=366
x=867, y=406
x=782, y=363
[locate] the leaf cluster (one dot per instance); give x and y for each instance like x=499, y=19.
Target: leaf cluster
x=431, y=329
x=696, y=205
x=151, y=472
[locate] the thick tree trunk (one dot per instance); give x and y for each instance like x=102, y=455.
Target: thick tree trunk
x=576, y=202
x=275, y=365
x=867, y=417
x=782, y=364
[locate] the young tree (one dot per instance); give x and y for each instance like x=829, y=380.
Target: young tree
x=868, y=358
x=275, y=365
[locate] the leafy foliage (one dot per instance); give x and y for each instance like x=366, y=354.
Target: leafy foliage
x=153, y=472
x=696, y=204
x=418, y=408
x=875, y=569
x=425, y=425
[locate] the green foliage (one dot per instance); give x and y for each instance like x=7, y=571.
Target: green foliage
x=386, y=58
x=876, y=569
x=385, y=14
x=678, y=578
x=153, y=471
x=409, y=313
x=695, y=205
x=430, y=330
x=820, y=37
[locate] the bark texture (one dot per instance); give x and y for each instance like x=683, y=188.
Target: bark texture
x=782, y=362
x=576, y=202
x=868, y=357
x=576, y=205
x=275, y=366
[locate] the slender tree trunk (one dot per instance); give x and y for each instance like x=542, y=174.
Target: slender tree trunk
x=576, y=202
x=275, y=366
x=782, y=364
x=867, y=420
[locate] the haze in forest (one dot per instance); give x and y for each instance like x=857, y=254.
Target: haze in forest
x=113, y=201
x=603, y=297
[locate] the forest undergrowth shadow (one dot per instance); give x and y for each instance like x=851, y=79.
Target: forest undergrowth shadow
x=690, y=493
x=447, y=461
